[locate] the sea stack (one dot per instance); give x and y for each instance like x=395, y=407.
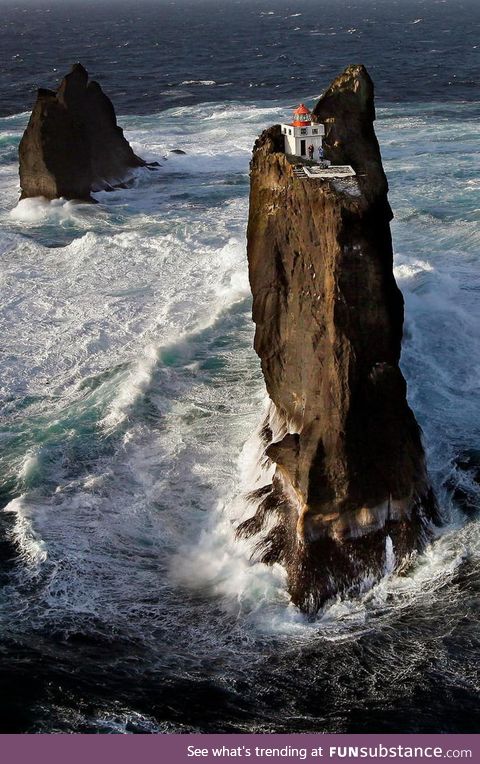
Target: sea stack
x=350, y=499
x=72, y=144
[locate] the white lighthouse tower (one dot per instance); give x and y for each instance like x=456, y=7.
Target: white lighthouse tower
x=302, y=133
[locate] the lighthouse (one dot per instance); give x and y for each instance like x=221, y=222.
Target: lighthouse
x=302, y=132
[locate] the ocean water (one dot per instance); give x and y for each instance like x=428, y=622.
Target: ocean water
x=131, y=396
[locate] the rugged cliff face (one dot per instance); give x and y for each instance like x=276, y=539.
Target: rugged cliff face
x=350, y=497
x=72, y=144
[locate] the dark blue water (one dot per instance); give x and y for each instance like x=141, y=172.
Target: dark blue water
x=147, y=54
x=130, y=394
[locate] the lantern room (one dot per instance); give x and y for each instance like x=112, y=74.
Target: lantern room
x=302, y=117
x=303, y=133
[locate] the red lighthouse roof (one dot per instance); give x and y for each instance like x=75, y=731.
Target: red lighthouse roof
x=302, y=109
x=301, y=116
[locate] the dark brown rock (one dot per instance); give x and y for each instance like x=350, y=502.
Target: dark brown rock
x=72, y=144
x=350, y=497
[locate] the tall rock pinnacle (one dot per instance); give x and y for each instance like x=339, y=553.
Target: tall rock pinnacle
x=350, y=497
x=72, y=144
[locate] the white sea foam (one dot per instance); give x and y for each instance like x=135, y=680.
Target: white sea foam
x=39, y=209
x=133, y=385
x=199, y=82
x=389, y=556
x=144, y=299
x=29, y=467
x=30, y=546
x=221, y=563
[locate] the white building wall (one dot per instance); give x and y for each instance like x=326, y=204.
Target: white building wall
x=312, y=135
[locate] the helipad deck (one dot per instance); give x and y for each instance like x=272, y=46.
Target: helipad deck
x=338, y=171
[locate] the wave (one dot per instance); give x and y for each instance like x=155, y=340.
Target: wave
x=30, y=546
x=134, y=385
x=225, y=566
x=198, y=82
x=22, y=115
x=39, y=210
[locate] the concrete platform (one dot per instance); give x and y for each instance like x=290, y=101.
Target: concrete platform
x=335, y=171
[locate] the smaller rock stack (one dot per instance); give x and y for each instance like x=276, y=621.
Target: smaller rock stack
x=72, y=144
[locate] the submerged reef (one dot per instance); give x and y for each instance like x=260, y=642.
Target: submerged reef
x=350, y=498
x=72, y=144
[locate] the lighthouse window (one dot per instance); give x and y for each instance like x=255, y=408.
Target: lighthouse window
x=303, y=131
x=289, y=132
x=285, y=130
x=315, y=130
